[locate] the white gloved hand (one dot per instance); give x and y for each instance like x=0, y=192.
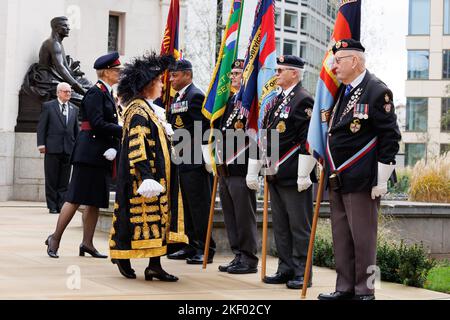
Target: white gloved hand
x=384, y=172
x=306, y=163
x=150, y=188
x=252, y=174
x=110, y=154
x=207, y=157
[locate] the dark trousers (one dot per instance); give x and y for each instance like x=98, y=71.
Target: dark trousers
x=292, y=213
x=239, y=213
x=196, y=191
x=57, y=174
x=354, y=221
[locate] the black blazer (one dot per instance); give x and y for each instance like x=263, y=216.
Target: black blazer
x=98, y=108
x=185, y=117
x=290, y=117
x=52, y=130
x=351, y=130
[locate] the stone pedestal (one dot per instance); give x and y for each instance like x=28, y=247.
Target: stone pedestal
x=6, y=165
x=29, y=178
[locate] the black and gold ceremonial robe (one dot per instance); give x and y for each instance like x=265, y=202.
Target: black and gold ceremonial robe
x=142, y=227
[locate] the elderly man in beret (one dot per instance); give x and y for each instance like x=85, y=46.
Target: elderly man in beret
x=184, y=115
x=363, y=140
x=92, y=157
x=291, y=185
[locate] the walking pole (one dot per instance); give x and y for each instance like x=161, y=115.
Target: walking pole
x=210, y=222
x=264, y=230
x=313, y=234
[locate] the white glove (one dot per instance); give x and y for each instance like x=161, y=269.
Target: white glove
x=207, y=157
x=110, y=154
x=252, y=174
x=384, y=172
x=306, y=163
x=150, y=188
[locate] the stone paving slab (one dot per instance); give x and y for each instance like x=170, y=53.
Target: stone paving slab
x=26, y=272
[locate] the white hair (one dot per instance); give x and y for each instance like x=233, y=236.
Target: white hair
x=62, y=85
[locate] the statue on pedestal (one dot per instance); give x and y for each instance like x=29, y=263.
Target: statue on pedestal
x=40, y=82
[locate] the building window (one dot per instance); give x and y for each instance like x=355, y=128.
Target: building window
x=416, y=114
x=446, y=16
x=413, y=153
x=115, y=32
x=304, y=22
x=277, y=18
x=419, y=17
x=290, y=47
x=445, y=147
x=290, y=20
x=303, y=50
x=418, y=64
x=278, y=46
x=445, y=115
x=446, y=64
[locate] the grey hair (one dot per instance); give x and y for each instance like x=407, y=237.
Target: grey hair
x=61, y=86
x=100, y=73
x=361, y=58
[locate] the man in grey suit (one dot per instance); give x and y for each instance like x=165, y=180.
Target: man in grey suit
x=56, y=133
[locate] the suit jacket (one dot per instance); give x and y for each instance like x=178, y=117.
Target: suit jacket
x=183, y=115
x=354, y=125
x=290, y=118
x=98, y=108
x=53, y=131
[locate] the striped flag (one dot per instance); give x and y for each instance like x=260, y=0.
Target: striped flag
x=169, y=45
x=257, y=93
x=347, y=26
x=220, y=85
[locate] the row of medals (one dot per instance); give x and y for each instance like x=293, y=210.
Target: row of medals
x=238, y=124
x=283, y=112
x=352, y=104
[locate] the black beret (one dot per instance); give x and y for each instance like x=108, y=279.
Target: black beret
x=182, y=65
x=110, y=60
x=238, y=64
x=291, y=61
x=348, y=44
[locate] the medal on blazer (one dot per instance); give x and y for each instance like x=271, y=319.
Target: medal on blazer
x=238, y=125
x=179, y=122
x=281, y=127
x=355, y=126
x=361, y=111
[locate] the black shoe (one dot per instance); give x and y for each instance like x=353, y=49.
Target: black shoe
x=198, y=259
x=125, y=269
x=364, y=297
x=53, y=211
x=242, y=268
x=224, y=267
x=51, y=253
x=278, y=278
x=297, y=283
x=338, y=295
x=159, y=274
x=94, y=253
x=182, y=254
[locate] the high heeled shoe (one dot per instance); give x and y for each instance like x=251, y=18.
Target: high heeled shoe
x=124, y=268
x=94, y=253
x=161, y=275
x=51, y=253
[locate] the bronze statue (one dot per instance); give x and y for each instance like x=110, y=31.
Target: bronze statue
x=40, y=82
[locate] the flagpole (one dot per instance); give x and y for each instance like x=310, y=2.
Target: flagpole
x=313, y=234
x=210, y=222
x=264, y=230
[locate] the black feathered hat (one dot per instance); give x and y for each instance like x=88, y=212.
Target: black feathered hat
x=140, y=72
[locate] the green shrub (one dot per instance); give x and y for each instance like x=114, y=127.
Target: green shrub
x=403, y=181
x=323, y=253
x=439, y=277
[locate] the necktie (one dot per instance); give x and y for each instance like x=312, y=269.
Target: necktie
x=348, y=88
x=63, y=110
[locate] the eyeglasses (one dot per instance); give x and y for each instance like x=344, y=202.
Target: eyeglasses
x=235, y=74
x=339, y=59
x=280, y=70
x=66, y=91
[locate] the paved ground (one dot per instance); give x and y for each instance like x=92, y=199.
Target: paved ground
x=26, y=272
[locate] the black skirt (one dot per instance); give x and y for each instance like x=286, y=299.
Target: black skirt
x=89, y=186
